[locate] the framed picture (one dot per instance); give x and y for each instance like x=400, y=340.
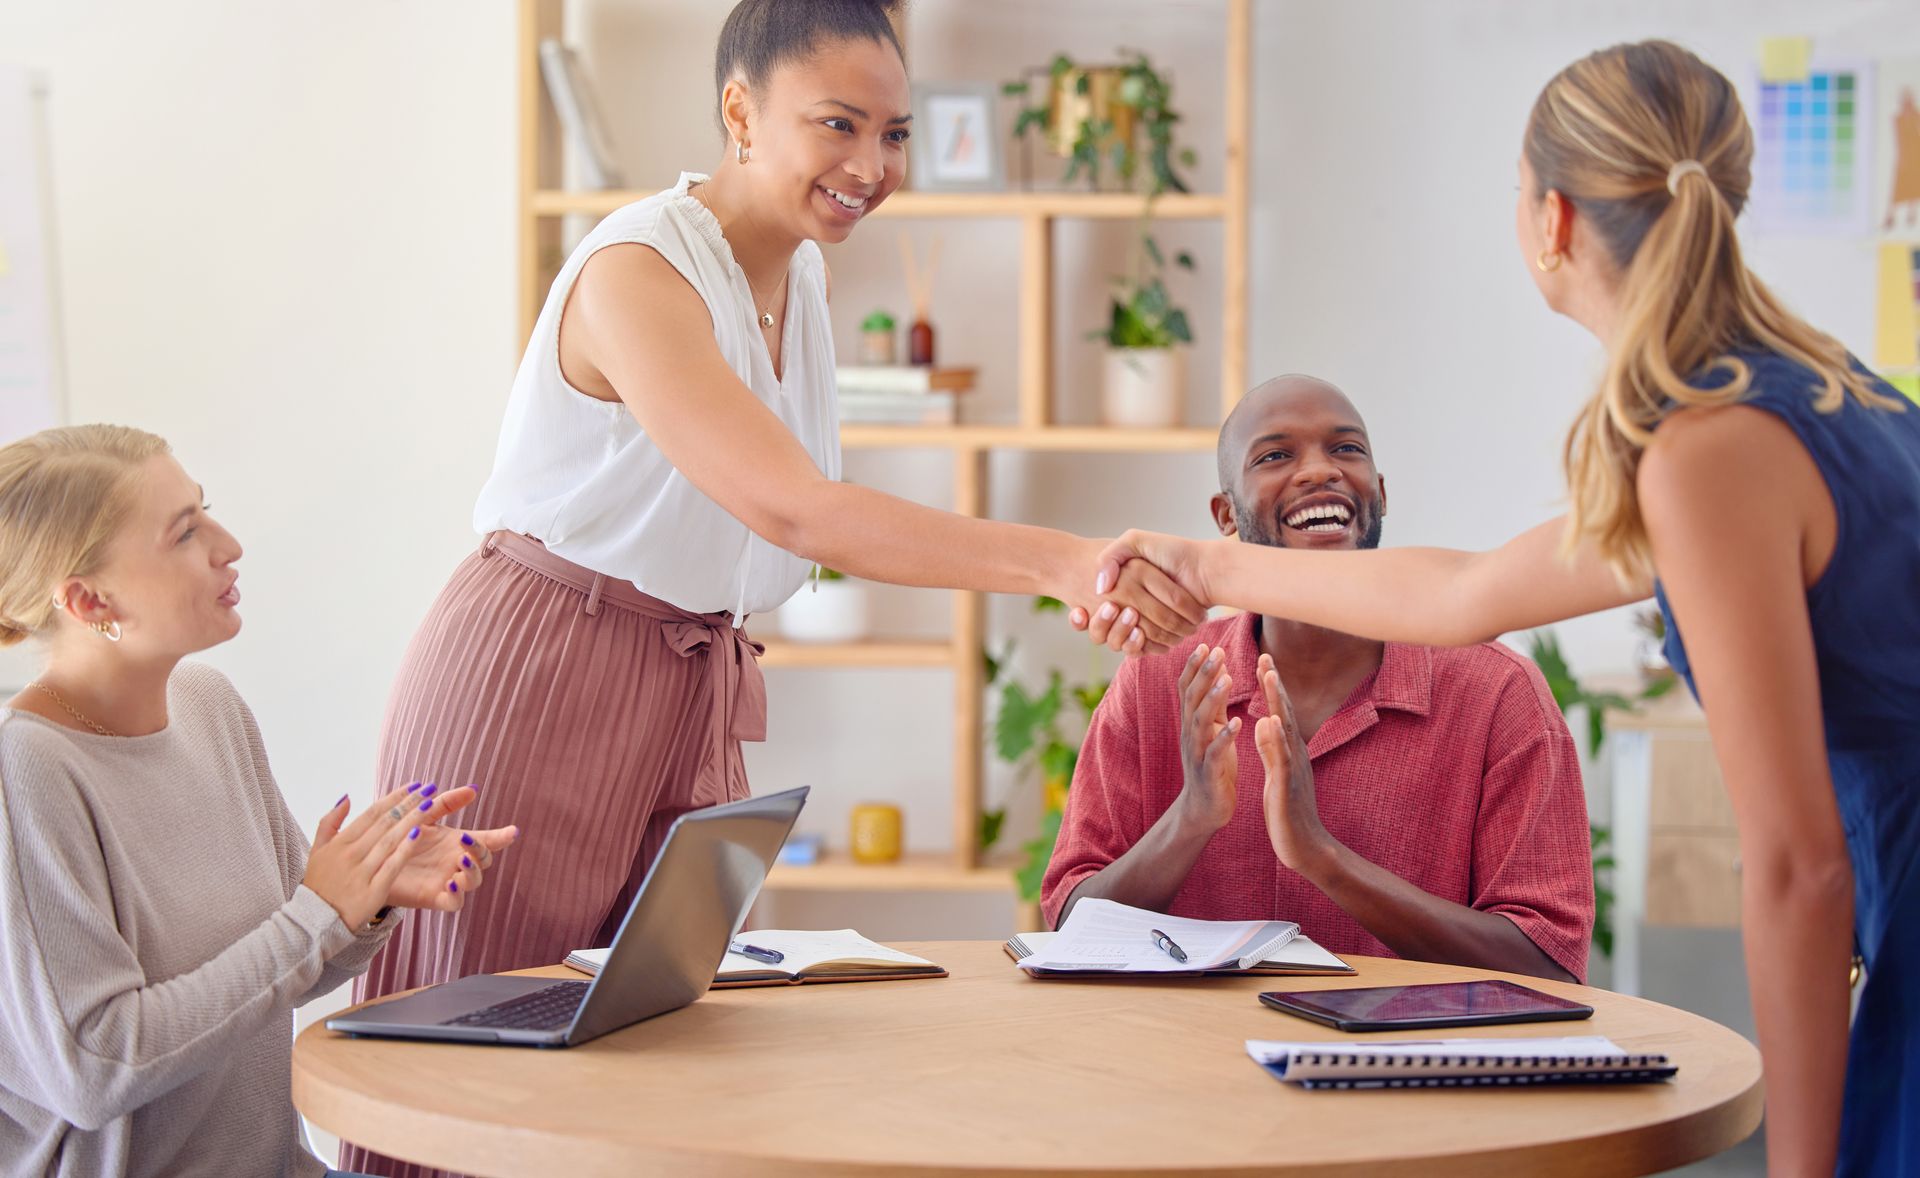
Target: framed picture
x=956, y=138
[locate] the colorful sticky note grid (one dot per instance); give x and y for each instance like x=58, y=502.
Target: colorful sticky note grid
x=1809, y=133
x=1785, y=59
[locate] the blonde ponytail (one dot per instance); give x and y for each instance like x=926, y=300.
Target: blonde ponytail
x=64, y=494
x=1650, y=144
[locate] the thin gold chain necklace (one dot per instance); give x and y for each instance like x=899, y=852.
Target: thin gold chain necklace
x=102, y=729
x=766, y=312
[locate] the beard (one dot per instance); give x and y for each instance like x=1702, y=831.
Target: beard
x=1257, y=529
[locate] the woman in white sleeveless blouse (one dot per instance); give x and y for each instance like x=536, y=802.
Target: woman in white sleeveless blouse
x=670, y=464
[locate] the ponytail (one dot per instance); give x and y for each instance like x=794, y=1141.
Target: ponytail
x=1651, y=146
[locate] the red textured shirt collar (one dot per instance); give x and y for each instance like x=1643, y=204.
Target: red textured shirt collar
x=1403, y=682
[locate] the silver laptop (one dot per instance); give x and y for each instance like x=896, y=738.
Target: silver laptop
x=693, y=900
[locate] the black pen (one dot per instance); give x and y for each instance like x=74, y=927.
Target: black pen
x=1165, y=942
x=770, y=956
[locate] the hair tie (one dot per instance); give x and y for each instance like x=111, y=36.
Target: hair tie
x=1680, y=169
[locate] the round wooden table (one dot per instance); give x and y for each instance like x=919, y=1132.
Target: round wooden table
x=991, y=1072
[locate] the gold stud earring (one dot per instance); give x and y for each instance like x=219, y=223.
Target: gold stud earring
x=111, y=630
x=1549, y=260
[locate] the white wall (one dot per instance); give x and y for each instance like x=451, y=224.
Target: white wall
x=286, y=236
x=286, y=243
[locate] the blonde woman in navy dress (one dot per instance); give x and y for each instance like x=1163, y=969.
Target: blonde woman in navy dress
x=1739, y=464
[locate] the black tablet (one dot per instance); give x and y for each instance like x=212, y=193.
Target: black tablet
x=1450, y=1004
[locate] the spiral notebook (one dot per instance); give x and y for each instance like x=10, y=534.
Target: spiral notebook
x=1458, y=1063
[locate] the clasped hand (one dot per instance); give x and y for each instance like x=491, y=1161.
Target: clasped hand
x=1143, y=570
x=1136, y=607
x=409, y=861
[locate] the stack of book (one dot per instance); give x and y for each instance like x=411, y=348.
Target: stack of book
x=901, y=395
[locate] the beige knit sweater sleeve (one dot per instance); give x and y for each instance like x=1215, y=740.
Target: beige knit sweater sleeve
x=85, y=1032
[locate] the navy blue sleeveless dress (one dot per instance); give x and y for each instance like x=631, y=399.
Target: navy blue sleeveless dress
x=1865, y=610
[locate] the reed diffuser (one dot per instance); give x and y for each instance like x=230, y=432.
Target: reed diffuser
x=920, y=351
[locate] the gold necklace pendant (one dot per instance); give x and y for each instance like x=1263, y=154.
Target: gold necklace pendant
x=766, y=318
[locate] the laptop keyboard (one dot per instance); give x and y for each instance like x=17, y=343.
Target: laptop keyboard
x=545, y=1009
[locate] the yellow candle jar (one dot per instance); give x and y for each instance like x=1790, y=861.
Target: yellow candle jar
x=876, y=833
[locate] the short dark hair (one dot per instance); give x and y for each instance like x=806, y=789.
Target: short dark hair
x=762, y=34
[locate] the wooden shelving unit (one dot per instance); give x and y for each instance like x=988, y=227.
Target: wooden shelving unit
x=543, y=203
x=917, y=871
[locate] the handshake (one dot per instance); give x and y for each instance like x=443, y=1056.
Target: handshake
x=1149, y=592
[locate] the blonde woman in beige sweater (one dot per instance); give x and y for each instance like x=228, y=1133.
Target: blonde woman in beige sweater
x=160, y=912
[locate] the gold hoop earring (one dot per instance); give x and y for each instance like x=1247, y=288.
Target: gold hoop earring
x=110, y=630
x=740, y=150
x=1546, y=265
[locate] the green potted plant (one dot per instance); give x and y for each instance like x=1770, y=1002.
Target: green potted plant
x=830, y=608
x=878, y=344
x=1094, y=115
x=1145, y=369
x=1107, y=112
x=1570, y=693
x=1031, y=732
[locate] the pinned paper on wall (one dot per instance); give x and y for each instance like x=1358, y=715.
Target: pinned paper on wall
x=1897, y=152
x=1896, y=349
x=1785, y=59
x=1896, y=346
x=1811, y=170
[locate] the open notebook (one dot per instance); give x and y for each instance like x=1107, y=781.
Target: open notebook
x=1102, y=938
x=1458, y=1063
x=841, y=955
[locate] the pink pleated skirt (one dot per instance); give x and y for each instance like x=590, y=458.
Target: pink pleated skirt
x=591, y=716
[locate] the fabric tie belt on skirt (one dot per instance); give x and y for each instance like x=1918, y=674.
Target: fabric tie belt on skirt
x=739, y=687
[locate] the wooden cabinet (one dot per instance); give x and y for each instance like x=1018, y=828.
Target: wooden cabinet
x=1676, y=847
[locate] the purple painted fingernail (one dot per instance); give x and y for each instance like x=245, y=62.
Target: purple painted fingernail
x=466, y=840
x=425, y=806
x=414, y=786
x=474, y=788
x=414, y=833
x=343, y=797
x=465, y=862
x=429, y=791
x=453, y=885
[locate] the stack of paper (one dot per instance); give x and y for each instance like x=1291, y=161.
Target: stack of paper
x=1104, y=936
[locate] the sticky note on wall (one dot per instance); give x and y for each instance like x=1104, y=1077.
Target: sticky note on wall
x=1910, y=385
x=1897, y=331
x=1785, y=59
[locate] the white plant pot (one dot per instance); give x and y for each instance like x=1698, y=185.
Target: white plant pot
x=1145, y=388
x=836, y=612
